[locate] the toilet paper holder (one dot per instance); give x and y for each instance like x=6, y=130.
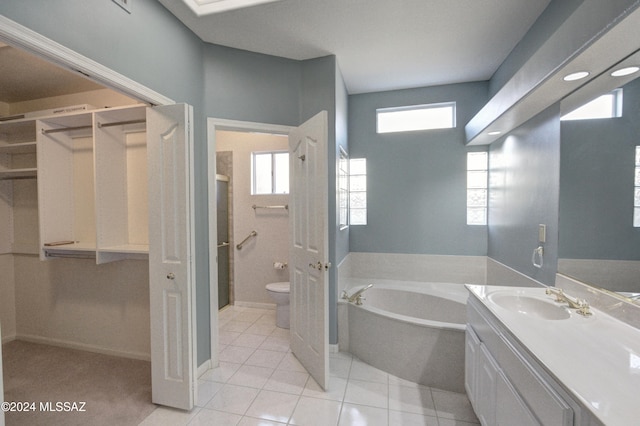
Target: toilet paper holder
x=279, y=265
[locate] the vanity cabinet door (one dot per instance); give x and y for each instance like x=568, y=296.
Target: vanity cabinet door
x=486, y=389
x=510, y=408
x=472, y=346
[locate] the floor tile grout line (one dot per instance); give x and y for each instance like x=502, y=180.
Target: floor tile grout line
x=349, y=379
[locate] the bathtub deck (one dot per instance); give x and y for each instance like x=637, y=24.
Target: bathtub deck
x=259, y=378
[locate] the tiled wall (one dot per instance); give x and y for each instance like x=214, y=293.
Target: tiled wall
x=414, y=267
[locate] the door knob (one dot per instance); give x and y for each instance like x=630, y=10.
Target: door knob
x=170, y=276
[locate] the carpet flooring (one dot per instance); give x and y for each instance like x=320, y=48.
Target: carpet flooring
x=115, y=391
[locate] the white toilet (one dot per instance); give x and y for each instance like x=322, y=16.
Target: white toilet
x=279, y=293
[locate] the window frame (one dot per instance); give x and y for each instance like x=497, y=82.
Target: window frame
x=484, y=186
x=364, y=191
x=616, y=107
x=414, y=108
x=343, y=190
x=254, y=176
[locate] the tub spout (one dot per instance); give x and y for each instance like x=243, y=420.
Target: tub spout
x=357, y=296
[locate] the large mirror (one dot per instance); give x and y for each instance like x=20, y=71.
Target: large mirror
x=599, y=226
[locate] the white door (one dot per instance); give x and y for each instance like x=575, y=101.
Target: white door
x=171, y=268
x=308, y=248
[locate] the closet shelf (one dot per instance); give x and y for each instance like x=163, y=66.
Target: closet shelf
x=18, y=148
x=126, y=248
x=77, y=246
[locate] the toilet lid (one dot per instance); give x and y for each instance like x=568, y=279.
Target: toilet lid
x=282, y=287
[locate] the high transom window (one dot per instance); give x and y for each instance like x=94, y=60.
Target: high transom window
x=608, y=105
x=416, y=117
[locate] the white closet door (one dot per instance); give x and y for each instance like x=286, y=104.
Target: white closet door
x=171, y=269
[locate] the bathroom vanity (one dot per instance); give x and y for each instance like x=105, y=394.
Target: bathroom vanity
x=530, y=360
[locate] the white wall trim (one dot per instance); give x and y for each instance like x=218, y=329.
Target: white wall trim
x=214, y=124
x=83, y=347
x=206, y=366
x=26, y=39
x=255, y=305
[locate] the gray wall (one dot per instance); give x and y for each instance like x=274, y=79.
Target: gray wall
x=248, y=86
x=549, y=21
x=149, y=45
x=524, y=175
x=416, y=181
x=529, y=157
x=153, y=48
x=597, y=162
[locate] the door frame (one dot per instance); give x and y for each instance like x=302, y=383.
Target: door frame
x=213, y=125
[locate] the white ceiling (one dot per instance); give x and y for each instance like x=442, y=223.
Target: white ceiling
x=379, y=44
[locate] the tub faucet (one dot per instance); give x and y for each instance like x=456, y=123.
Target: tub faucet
x=357, y=296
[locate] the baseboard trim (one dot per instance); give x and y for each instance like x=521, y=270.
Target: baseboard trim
x=203, y=368
x=334, y=348
x=82, y=347
x=258, y=305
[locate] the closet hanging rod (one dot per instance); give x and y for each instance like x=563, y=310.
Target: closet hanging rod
x=69, y=255
x=286, y=207
x=65, y=129
x=121, y=123
x=252, y=234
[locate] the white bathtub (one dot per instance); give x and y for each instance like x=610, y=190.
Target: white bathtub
x=412, y=330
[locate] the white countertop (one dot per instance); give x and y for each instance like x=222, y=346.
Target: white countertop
x=596, y=358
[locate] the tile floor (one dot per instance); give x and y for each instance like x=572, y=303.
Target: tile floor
x=260, y=382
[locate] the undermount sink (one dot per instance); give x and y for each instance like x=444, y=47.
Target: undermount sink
x=530, y=306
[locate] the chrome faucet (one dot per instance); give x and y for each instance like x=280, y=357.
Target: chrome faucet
x=580, y=305
x=357, y=296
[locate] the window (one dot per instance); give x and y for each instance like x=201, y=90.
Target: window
x=605, y=106
x=416, y=117
x=477, y=193
x=358, y=191
x=270, y=172
x=343, y=189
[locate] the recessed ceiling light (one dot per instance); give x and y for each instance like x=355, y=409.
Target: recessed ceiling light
x=625, y=71
x=576, y=76
x=497, y=132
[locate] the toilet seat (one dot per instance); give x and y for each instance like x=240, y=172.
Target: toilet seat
x=281, y=287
